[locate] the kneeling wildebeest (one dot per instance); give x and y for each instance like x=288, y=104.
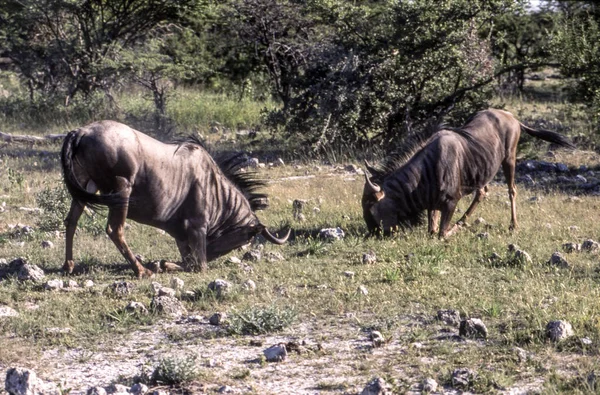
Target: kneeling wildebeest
x=452, y=163
x=206, y=205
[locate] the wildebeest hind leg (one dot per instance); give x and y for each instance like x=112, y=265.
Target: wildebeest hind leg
x=508, y=166
x=71, y=225
x=479, y=196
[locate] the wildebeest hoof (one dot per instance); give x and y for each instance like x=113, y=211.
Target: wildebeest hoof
x=144, y=273
x=68, y=267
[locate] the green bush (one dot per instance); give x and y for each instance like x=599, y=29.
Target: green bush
x=177, y=370
x=256, y=321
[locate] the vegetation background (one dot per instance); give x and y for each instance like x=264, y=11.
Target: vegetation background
x=319, y=83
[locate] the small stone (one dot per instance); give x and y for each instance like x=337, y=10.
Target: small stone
x=88, y=284
x=249, y=285
x=331, y=234
x=316, y=210
x=234, y=260
x=473, y=327
x=590, y=245
x=483, y=236
x=122, y=288
x=522, y=257
x=168, y=305
x=29, y=272
x=21, y=381
x=463, y=377
x=160, y=392
x=363, y=290
x=377, y=338
x=559, y=330
x=276, y=353
x=52, y=285
x=449, y=317
x=478, y=221
x=189, y=294
x=253, y=162
x=136, y=307
x=47, y=244
x=96, y=391
x=369, y=258
x=562, y=168
x=252, y=256
x=521, y=354
x=586, y=340
x=118, y=389
x=217, y=318
x=58, y=330
x=571, y=247
x=138, y=389
x=156, y=286
x=6, y=311
x=165, y=291
x=225, y=390
x=220, y=287
x=513, y=247
x=429, y=385
x=274, y=256
x=573, y=228
x=557, y=260
x=377, y=386
x=349, y=274
x=177, y=283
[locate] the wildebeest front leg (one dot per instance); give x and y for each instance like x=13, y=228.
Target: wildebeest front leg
x=447, y=213
x=71, y=225
x=433, y=218
x=480, y=194
x=508, y=166
x=196, y=259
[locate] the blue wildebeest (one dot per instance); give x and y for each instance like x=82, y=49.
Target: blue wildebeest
x=452, y=163
x=206, y=205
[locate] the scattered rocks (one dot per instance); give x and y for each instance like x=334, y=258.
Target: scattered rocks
x=21, y=381
x=473, y=328
x=252, y=256
x=166, y=291
x=177, y=283
x=369, y=258
x=96, y=391
x=249, y=285
x=559, y=330
x=234, y=259
x=377, y=386
x=590, y=245
x=274, y=256
x=53, y=285
x=377, y=339
x=138, y=389
x=29, y=272
x=168, y=305
x=220, y=287
x=449, y=317
x=136, y=307
x=429, y=385
x=47, y=244
x=276, y=353
x=332, y=234
x=122, y=288
x=483, y=236
x=6, y=311
x=117, y=389
x=571, y=247
x=558, y=260
x=349, y=274
x=463, y=377
x=217, y=318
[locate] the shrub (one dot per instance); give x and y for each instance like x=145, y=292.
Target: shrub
x=256, y=321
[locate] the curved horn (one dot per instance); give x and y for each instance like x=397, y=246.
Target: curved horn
x=267, y=235
x=374, y=187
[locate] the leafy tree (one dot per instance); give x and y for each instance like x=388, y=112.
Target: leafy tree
x=68, y=47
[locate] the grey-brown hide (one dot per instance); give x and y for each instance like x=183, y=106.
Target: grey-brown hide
x=179, y=188
x=451, y=164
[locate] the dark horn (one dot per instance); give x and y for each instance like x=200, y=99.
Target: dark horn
x=267, y=235
x=374, y=187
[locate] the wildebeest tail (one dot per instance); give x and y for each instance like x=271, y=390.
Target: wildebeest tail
x=78, y=192
x=549, y=136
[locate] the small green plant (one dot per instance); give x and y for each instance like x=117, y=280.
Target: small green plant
x=176, y=370
x=15, y=178
x=256, y=321
x=392, y=275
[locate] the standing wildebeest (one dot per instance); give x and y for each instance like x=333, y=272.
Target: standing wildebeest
x=452, y=163
x=206, y=206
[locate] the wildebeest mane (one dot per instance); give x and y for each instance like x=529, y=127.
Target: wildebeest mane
x=231, y=165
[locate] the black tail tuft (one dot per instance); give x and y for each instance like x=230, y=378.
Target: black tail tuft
x=549, y=136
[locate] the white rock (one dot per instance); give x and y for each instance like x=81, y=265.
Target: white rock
x=138, y=389
x=249, y=285
x=557, y=260
x=349, y=274
x=363, y=290
x=234, y=259
x=96, y=391
x=88, y=283
x=30, y=272
x=429, y=385
x=6, y=311
x=377, y=386
x=21, y=381
x=165, y=291
x=220, y=287
x=377, y=338
x=136, y=306
x=369, y=258
x=559, y=330
x=52, y=285
x=332, y=233
x=590, y=245
x=276, y=353
x=47, y=244
x=177, y=283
